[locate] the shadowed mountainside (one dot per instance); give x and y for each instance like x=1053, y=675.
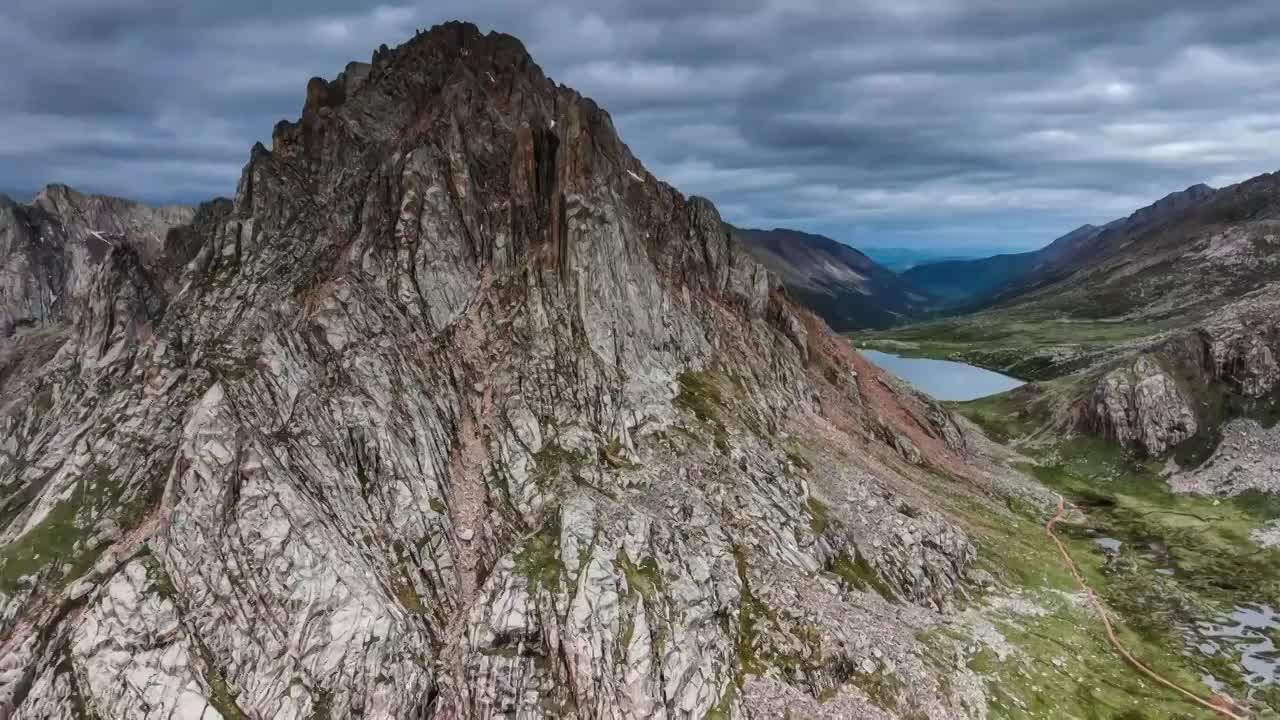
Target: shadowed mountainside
x=845, y=287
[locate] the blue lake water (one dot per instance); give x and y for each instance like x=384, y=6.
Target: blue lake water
x=944, y=379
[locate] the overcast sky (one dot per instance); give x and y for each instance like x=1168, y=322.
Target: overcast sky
x=886, y=122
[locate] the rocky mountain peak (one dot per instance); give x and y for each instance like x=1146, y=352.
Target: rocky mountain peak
x=519, y=153
x=1170, y=204
x=455, y=410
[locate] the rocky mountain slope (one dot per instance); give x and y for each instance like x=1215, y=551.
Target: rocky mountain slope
x=457, y=411
x=51, y=247
x=968, y=285
x=976, y=282
x=1133, y=245
x=1193, y=277
x=845, y=287
x=1188, y=384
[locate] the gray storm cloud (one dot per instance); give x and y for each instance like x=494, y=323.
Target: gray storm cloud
x=886, y=122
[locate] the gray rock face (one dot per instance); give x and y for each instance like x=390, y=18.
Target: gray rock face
x=1140, y=404
x=1243, y=342
x=1248, y=458
x=50, y=249
x=1232, y=351
x=457, y=412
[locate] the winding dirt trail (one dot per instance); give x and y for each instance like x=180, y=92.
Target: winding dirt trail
x=1222, y=705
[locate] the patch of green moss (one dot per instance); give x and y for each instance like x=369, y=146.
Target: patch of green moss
x=700, y=395
x=161, y=583
x=538, y=559
x=552, y=461
x=612, y=456
x=42, y=401
x=644, y=578
x=406, y=594
x=231, y=363
x=723, y=709
x=884, y=688
x=52, y=542
x=859, y=574
x=55, y=540
x=819, y=515
x=223, y=700
x=752, y=612
x=797, y=459
x=221, y=696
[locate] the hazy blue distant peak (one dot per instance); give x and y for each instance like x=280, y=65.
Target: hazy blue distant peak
x=899, y=259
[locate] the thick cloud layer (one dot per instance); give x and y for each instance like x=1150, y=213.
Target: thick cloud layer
x=881, y=122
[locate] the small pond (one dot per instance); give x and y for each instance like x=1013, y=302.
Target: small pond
x=1250, y=632
x=944, y=379
x=1246, y=637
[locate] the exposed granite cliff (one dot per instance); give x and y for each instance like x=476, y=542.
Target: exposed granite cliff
x=1141, y=404
x=456, y=411
x=1228, y=360
x=1242, y=342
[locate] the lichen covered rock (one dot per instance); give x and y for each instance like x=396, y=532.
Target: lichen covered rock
x=1141, y=404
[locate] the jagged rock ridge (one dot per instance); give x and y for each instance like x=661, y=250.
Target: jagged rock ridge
x=456, y=411
x=51, y=247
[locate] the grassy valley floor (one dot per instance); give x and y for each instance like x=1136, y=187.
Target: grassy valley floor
x=1172, y=569
x=1028, y=343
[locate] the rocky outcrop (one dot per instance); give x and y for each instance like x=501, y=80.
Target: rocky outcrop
x=1243, y=342
x=1140, y=404
x=456, y=411
x=50, y=249
x=1247, y=459
x=1228, y=359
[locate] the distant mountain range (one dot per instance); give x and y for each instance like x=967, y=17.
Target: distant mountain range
x=900, y=259
x=1177, y=258
x=883, y=287
x=848, y=289
x=973, y=284
x=965, y=282
x=1155, y=330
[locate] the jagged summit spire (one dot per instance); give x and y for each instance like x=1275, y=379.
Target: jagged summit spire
x=518, y=156
x=434, y=53
x=452, y=407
